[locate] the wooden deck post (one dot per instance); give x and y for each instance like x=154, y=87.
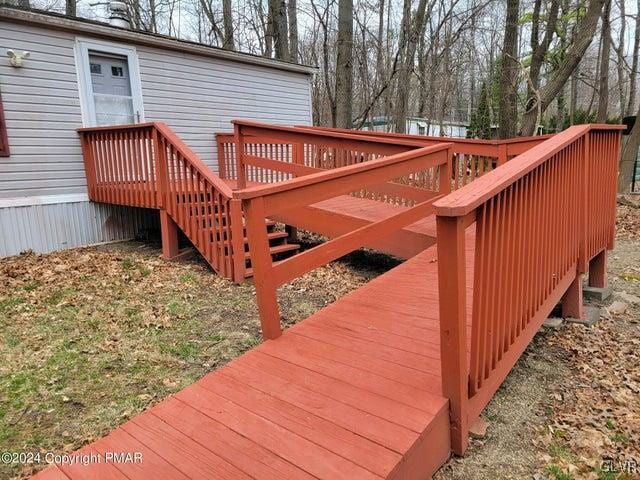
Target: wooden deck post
x=169, y=231
x=237, y=240
x=266, y=293
x=453, y=329
x=89, y=167
x=239, y=142
x=584, y=192
x=598, y=270
x=502, y=154
x=572, y=300
x=222, y=158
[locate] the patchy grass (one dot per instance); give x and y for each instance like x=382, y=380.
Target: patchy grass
x=91, y=337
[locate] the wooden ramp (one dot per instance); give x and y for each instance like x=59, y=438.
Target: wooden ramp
x=352, y=392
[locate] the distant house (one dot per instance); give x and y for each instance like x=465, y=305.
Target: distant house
x=420, y=126
x=84, y=73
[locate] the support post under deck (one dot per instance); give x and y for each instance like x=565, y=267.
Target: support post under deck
x=169, y=231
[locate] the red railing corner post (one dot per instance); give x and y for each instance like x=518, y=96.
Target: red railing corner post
x=162, y=174
x=237, y=240
x=583, y=203
x=453, y=326
x=89, y=166
x=446, y=170
x=169, y=234
x=572, y=300
x=598, y=270
x=261, y=263
x=502, y=153
x=239, y=143
x=222, y=159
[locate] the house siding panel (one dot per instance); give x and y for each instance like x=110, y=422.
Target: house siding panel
x=57, y=226
x=194, y=95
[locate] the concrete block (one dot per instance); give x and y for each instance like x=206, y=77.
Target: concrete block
x=552, y=322
x=590, y=316
x=596, y=293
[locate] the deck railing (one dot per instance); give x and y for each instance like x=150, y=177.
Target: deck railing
x=536, y=223
x=271, y=153
x=472, y=158
x=147, y=165
x=263, y=201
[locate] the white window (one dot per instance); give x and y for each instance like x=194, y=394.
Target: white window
x=109, y=81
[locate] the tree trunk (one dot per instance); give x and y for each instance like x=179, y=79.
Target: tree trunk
x=344, y=65
x=620, y=63
x=628, y=158
x=581, y=41
x=407, y=58
x=573, y=101
x=508, y=109
x=69, y=8
x=603, y=82
x=292, y=12
x=280, y=36
x=227, y=19
x=631, y=105
x=539, y=50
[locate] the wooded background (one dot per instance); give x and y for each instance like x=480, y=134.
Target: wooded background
x=515, y=67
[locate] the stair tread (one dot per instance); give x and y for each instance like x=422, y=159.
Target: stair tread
x=272, y=235
x=286, y=247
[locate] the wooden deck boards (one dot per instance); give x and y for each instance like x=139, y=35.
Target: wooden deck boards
x=351, y=392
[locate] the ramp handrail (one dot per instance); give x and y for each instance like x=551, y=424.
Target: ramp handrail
x=147, y=165
x=472, y=157
x=273, y=153
x=539, y=219
x=260, y=202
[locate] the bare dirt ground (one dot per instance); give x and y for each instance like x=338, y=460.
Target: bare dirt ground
x=570, y=409
x=90, y=337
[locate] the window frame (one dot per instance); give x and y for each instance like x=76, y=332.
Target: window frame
x=83, y=48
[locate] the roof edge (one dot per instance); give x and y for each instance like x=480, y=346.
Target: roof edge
x=104, y=30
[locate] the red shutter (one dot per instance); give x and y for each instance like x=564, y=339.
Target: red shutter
x=4, y=141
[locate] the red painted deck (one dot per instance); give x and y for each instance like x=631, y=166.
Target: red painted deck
x=352, y=392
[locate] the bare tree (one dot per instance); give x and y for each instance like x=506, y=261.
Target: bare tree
x=278, y=15
x=227, y=20
x=539, y=48
x=605, y=56
x=292, y=13
x=583, y=37
x=344, y=65
x=633, y=76
x=412, y=30
x=509, y=68
x=70, y=8
x=628, y=157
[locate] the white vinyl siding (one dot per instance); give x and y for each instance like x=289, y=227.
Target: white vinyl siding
x=195, y=95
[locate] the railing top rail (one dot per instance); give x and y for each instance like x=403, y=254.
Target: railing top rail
x=319, y=177
x=468, y=198
x=177, y=142
x=230, y=137
x=107, y=128
x=266, y=128
x=195, y=159
x=418, y=138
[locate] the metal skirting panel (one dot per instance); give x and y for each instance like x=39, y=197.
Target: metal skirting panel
x=58, y=226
